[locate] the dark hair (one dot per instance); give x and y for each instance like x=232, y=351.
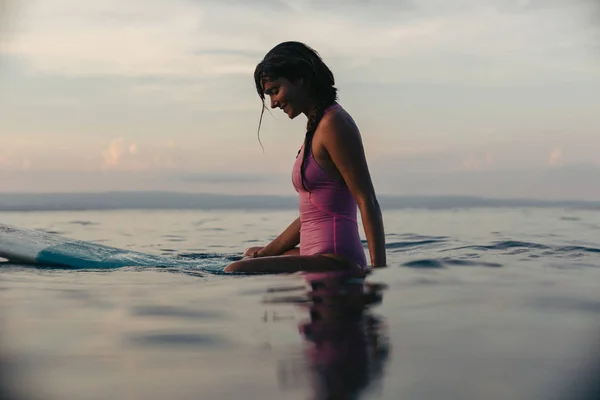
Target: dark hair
x=292, y=61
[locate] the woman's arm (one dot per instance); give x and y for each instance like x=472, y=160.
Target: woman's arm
x=341, y=138
x=287, y=240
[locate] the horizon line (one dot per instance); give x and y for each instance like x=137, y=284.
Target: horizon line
x=288, y=196
x=169, y=200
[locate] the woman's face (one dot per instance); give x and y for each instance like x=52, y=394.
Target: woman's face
x=291, y=97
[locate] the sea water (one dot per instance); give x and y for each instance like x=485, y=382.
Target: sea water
x=488, y=303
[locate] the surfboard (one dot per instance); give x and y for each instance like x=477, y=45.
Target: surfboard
x=30, y=246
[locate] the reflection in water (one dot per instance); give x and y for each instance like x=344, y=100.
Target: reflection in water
x=346, y=344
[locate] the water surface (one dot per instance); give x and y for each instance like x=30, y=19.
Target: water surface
x=480, y=303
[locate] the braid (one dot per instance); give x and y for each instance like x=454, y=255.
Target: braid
x=311, y=126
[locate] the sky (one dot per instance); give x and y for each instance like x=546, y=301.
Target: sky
x=494, y=98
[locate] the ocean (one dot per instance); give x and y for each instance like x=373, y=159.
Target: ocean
x=476, y=303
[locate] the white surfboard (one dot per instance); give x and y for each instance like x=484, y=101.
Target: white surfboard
x=37, y=247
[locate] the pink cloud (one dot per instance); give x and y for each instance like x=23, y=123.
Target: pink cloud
x=125, y=155
x=555, y=157
x=118, y=153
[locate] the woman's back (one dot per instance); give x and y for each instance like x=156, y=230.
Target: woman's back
x=328, y=212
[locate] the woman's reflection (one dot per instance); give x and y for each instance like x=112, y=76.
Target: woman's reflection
x=346, y=344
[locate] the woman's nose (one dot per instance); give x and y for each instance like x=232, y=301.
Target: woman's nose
x=274, y=103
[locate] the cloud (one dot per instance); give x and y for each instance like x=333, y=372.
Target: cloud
x=125, y=155
x=426, y=41
x=150, y=38
x=556, y=157
x=4, y=162
x=119, y=153
x=133, y=148
x=15, y=162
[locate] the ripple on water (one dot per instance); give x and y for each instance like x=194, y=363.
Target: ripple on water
x=509, y=244
x=582, y=249
x=83, y=223
x=562, y=304
x=414, y=243
x=567, y=218
x=470, y=263
x=168, y=251
x=572, y=265
x=512, y=247
x=200, y=256
x=174, y=238
x=176, y=339
x=426, y=263
x=204, y=221
x=442, y=263
x=176, y=312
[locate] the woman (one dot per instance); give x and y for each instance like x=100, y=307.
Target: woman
x=330, y=174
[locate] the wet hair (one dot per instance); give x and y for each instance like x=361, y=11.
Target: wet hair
x=294, y=61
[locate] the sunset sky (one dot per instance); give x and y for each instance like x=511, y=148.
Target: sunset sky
x=495, y=98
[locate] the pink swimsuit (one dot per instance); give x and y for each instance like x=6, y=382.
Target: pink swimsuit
x=328, y=213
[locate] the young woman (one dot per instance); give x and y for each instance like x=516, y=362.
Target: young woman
x=330, y=174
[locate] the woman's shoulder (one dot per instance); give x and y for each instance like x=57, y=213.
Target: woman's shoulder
x=338, y=119
x=338, y=130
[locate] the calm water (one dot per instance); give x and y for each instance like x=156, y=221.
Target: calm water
x=480, y=304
